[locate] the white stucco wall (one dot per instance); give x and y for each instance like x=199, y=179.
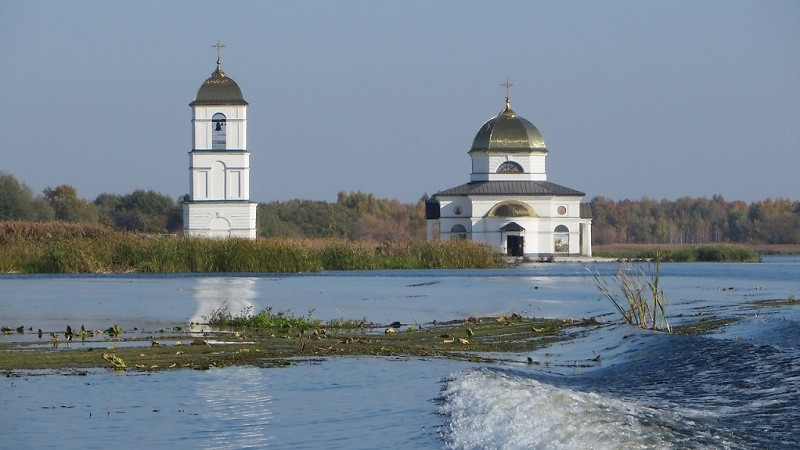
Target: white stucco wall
x=219, y=175
x=484, y=167
x=220, y=219
x=539, y=236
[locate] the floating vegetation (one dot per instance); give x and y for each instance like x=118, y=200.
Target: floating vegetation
x=115, y=361
x=704, y=325
x=271, y=345
x=789, y=301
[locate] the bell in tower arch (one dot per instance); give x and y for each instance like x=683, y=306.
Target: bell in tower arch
x=218, y=137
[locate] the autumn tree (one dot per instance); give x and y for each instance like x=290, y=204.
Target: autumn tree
x=17, y=201
x=695, y=220
x=142, y=210
x=68, y=206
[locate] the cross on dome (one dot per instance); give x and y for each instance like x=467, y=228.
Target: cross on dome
x=508, y=85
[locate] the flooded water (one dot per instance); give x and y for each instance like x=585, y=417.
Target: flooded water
x=617, y=387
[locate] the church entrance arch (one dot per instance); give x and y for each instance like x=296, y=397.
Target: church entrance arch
x=514, y=236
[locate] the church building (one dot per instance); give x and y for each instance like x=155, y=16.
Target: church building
x=219, y=164
x=508, y=203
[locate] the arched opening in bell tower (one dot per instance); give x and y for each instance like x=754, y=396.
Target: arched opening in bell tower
x=218, y=140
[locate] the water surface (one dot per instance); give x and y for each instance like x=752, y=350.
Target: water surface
x=617, y=387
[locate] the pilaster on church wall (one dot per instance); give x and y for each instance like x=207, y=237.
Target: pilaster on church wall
x=537, y=167
x=245, y=182
x=480, y=163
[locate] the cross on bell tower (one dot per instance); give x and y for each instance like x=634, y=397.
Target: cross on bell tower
x=219, y=46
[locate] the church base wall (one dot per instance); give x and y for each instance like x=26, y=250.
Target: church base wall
x=220, y=219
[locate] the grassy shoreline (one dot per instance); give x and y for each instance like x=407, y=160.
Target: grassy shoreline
x=64, y=248
x=27, y=247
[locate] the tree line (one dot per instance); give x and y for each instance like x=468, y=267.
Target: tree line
x=695, y=221
x=355, y=216
x=358, y=216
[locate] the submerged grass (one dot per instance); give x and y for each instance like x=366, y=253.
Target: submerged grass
x=46, y=248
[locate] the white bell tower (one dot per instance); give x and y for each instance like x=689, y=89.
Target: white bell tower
x=219, y=164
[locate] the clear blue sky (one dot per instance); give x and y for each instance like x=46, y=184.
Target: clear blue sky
x=634, y=98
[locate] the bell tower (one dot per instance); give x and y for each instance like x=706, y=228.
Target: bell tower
x=219, y=164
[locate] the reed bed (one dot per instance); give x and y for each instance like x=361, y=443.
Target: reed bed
x=776, y=249
x=680, y=253
x=41, y=248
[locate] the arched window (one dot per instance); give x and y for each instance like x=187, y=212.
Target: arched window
x=510, y=167
x=511, y=209
x=218, y=131
x=561, y=239
x=458, y=232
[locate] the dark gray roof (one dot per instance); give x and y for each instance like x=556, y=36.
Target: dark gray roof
x=219, y=90
x=586, y=210
x=513, y=226
x=510, y=188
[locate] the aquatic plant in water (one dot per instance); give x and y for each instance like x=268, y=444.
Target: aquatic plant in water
x=644, y=303
x=222, y=317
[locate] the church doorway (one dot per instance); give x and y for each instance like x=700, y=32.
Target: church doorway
x=515, y=245
x=515, y=239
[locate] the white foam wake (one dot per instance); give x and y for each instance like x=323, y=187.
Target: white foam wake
x=493, y=409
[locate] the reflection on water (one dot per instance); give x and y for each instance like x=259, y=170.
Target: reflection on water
x=212, y=294
x=354, y=403
x=239, y=404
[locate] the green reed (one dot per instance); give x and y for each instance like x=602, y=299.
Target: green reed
x=223, y=318
x=643, y=303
